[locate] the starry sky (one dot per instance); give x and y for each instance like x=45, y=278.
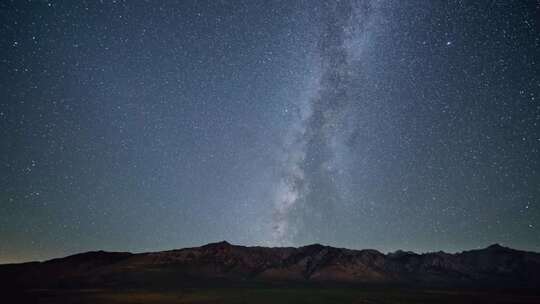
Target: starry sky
x=153, y=125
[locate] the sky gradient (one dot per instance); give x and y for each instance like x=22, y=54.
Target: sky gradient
x=145, y=126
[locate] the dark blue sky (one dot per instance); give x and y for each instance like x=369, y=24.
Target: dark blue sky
x=146, y=125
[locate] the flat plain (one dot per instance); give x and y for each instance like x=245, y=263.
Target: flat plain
x=263, y=295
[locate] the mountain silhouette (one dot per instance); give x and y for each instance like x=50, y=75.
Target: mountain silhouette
x=223, y=262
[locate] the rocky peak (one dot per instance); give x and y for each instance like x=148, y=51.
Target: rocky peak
x=314, y=247
x=222, y=244
x=496, y=247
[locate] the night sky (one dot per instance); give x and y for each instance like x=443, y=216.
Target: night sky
x=153, y=125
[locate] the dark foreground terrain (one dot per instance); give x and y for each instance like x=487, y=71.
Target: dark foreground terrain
x=278, y=295
x=225, y=273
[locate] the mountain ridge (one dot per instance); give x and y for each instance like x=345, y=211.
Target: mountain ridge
x=494, y=265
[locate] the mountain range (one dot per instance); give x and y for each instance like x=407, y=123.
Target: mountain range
x=223, y=263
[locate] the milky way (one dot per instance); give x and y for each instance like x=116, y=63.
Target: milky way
x=316, y=151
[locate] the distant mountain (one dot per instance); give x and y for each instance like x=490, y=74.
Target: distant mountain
x=225, y=263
